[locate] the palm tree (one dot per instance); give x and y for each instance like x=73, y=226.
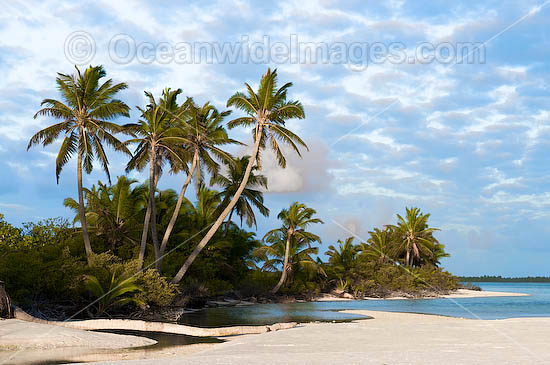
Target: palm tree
x=299, y=255
x=296, y=219
x=157, y=139
x=250, y=197
x=85, y=113
x=267, y=111
x=203, y=134
x=438, y=252
x=342, y=258
x=414, y=237
x=205, y=208
x=113, y=211
x=379, y=245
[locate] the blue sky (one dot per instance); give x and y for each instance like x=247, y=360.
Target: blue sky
x=466, y=142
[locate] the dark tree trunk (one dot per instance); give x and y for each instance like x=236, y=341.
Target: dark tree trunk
x=5, y=303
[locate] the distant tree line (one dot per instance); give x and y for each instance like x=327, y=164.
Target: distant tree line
x=500, y=279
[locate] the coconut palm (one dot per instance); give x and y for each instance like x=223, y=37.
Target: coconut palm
x=343, y=258
x=297, y=252
x=438, y=252
x=414, y=238
x=205, y=208
x=250, y=198
x=86, y=111
x=203, y=133
x=296, y=219
x=267, y=111
x=113, y=211
x=379, y=245
x=158, y=136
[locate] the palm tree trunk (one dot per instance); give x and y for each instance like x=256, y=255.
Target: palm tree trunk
x=6, y=310
x=285, y=266
x=229, y=222
x=143, y=243
x=147, y=219
x=82, y=210
x=225, y=212
x=153, y=188
x=175, y=215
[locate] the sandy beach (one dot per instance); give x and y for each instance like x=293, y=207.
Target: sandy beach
x=460, y=293
x=389, y=338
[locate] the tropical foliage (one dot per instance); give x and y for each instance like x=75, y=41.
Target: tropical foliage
x=115, y=294
x=134, y=245
x=291, y=242
x=266, y=110
x=85, y=113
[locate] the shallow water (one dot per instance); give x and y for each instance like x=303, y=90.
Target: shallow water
x=266, y=314
x=535, y=305
x=164, y=340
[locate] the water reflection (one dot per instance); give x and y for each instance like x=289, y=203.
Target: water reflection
x=266, y=314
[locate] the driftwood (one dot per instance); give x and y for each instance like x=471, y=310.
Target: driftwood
x=5, y=303
x=138, y=325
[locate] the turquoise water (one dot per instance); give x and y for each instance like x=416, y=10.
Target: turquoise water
x=535, y=305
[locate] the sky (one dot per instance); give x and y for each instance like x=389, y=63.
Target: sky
x=463, y=135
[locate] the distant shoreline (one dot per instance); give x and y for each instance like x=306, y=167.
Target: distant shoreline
x=500, y=279
x=459, y=293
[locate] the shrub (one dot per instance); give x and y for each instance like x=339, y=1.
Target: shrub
x=118, y=292
x=257, y=282
x=157, y=290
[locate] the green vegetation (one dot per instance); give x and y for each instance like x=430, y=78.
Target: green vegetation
x=133, y=246
x=85, y=113
x=116, y=294
x=291, y=243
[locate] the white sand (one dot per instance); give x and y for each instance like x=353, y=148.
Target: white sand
x=463, y=293
x=466, y=293
x=460, y=293
x=17, y=334
x=24, y=342
x=389, y=338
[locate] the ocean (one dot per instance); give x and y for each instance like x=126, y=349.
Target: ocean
x=537, y=304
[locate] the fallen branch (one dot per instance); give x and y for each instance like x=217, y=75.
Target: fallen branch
x=139, y=325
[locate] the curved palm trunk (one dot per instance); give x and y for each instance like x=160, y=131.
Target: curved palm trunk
x=149, y=210
x=154, y=231
x=285, y=267
x=82, y=210
x=175, y=215
x=228, y=222
x=143, y=243
x=225, y=212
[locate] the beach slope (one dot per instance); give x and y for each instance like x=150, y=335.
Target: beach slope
x=389, y=338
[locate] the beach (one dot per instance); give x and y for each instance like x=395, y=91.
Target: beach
x=459, y=293
x=389, y=338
